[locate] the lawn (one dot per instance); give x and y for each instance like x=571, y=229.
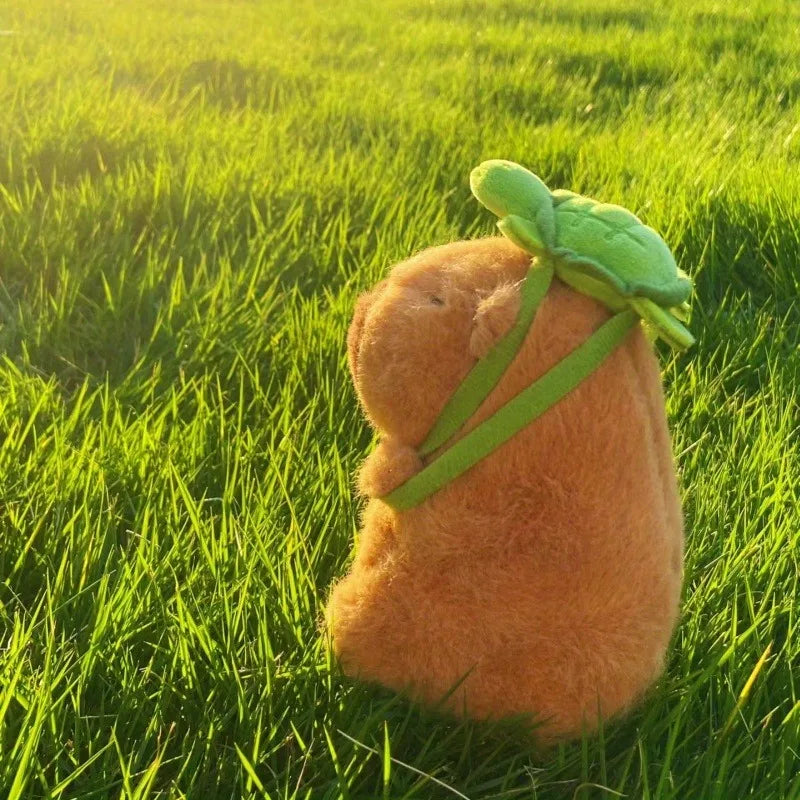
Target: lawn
x=192, y=194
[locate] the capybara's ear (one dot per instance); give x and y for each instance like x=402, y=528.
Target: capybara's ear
x=494, y=317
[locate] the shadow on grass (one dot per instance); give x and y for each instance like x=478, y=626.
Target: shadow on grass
x=515, y=13
x=226, y=83
x=469, y=754
x=619, y=75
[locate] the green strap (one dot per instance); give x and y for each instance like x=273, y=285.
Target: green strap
x=529, y=404
x=484, y=376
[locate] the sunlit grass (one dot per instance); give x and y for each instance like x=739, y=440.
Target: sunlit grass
x=191, y=196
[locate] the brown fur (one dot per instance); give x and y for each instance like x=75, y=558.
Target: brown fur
x=545, y=580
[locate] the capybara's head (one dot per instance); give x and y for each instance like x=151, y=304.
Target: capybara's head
x=418, y=332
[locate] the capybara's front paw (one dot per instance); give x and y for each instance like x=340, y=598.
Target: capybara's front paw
x=390, y=465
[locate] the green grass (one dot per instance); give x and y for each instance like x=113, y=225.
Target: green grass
x=192, y=194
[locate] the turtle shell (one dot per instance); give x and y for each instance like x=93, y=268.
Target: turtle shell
x=600, y=249
x=618, y=247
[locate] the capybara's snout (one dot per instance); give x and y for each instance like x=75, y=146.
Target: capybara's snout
x=354, y=333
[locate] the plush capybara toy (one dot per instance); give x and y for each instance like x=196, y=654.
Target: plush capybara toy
x=521, y=550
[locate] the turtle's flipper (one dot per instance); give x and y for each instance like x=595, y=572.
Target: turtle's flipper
x=682, y=311
x=591, y=268
x=585, y=283
x=523, y=233
x=670, y=329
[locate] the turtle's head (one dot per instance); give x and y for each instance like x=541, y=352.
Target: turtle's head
x=511, y=191
x=418, y=332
